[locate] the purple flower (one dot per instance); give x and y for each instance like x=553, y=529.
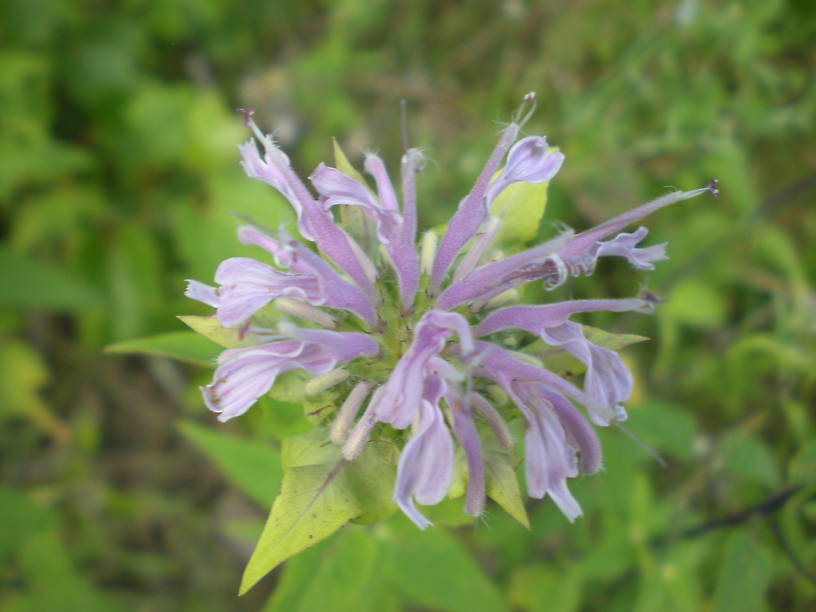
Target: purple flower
x=442, y=342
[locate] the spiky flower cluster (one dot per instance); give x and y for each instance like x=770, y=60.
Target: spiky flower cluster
x=423, y=353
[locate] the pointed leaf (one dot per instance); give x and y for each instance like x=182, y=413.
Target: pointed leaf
x=745, y=572
x=434, y=569
x=340, y=576
x=252, y=466
x=748, y=457
x=312, y=505
x=342, y=163
x=184, y=346
x=501, y=483
x=31, y=284
x=354, y=218
x=315, y=501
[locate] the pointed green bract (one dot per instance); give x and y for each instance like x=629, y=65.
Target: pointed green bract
x=501, y=483
x=612, y=341
x=558, y=361
x=312, y=505
x=342, y=163
x=522, y=206
x=318, y=498
x=210, y=328
x=353, y=217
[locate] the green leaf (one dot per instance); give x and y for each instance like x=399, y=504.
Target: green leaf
x=748, y=457
x=501, y=482
x=450, y=512
x=341, y=576
x=310, y=448
x=435, y=570
x=542, y=588
x=316, y=500
x=31, y=284
x=696, y=303
x=27, y=518
x=252, y=466
x=745, y=572
x=24, y=374
x=282, y=420
x=665, y=427
x=522, y=206
x=184, y=346
x=371, y=479
x=803, y=465
x=53, y=583
x=313, y=503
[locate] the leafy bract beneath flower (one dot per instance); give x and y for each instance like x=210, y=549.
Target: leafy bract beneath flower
x=434, y=352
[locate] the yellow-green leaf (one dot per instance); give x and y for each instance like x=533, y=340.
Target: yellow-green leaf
x=315, y=501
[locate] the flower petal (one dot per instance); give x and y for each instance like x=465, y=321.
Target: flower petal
x=472, y=211
x=549, y=460
x=401, y=396
x=314, y=223
x=245, y=374
x=425, y=468
x=530, y=161
x=468, y=438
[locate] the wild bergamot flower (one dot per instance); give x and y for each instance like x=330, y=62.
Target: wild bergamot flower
x=422, y=336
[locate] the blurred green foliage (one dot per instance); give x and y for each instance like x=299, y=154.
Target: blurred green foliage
x=118, y=173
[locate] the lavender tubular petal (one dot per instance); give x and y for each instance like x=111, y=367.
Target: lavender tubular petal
x=472, y=210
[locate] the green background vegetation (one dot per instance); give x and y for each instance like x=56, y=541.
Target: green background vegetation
x=118, y=169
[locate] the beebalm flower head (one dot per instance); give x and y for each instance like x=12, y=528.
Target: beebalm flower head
x=427, y=341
